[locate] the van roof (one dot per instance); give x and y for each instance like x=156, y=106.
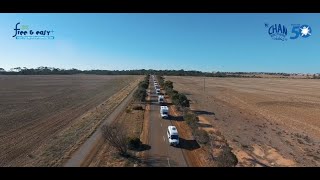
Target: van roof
x=173, y=129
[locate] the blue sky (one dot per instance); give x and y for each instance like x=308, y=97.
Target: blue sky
x=206, y=42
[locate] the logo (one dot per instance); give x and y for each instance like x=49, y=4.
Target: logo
x=300, y=31
x=24, y=32
x=279, y=31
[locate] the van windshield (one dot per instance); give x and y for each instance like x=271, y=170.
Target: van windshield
x=174, y=137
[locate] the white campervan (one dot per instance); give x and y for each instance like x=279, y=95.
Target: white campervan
x=173, y=135
x=164, y=111
x=161, y=99
x=158, y=91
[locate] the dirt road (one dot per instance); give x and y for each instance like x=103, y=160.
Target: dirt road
x=161, y=153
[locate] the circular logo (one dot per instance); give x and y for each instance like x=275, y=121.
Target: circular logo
x=305, y=31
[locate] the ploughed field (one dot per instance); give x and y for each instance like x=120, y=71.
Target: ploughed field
x=267, y=121
x=35, y=109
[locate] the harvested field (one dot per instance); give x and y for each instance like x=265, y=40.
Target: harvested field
x=267, y=122
x=37, y=112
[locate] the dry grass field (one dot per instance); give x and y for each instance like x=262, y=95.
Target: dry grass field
x=267, y=121
x=37, y=113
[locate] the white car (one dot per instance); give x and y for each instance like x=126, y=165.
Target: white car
x=173, y=136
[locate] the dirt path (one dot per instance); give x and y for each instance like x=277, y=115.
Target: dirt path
x=81, y=156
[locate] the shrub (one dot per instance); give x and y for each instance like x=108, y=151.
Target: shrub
x=226, y=158
x=128, y=110
x=137, y=108
x=180, y=100
x=168, y=85
x=171, y=92
x=143, y=84
x=134, y=143
x=191, y=119
x=140, y=94
x=202, y=136
x=116, y=136
x=161, y=80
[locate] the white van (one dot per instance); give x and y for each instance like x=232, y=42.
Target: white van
x=158, y=91
x=160, y=99
x=173, y=136
x=164, y=112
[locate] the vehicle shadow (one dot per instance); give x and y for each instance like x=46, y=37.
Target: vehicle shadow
x=175, y=118
x=143, y=147
x=153, y=95
x=151, y=101
x=160, y=161
x=188, y=144
x=254, y=161
x=204, y=125
x=199, y=112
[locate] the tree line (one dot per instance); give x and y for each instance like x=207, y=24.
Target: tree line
x=52, y=70
x=42, y=70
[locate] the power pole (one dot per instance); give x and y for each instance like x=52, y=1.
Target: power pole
x=204, y=89
x=204, y=84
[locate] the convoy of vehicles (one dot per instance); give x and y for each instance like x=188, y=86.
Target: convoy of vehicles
x=172, y=132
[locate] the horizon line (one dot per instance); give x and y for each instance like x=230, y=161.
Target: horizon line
x=158, y=70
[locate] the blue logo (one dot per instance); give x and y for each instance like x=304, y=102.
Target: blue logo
x=24, y=32
x=277, y=32
x=305, y=31
x=300, y=31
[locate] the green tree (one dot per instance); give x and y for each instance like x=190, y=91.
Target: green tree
x=140, y=94
x=180, y=100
